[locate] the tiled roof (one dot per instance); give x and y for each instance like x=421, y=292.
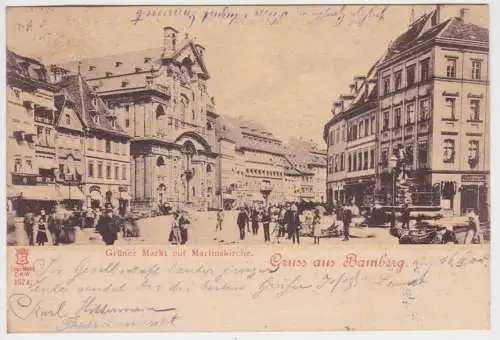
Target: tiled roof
x=465, y=31
x=97, y=67
x=241, y=131
x=77, y=89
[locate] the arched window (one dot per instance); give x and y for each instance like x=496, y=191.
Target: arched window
x=160, y=111
x=160, y=161
x=209, y=169
x=209, y=126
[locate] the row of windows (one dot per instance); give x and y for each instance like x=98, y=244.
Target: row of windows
x=361, y=160
x=261, y=172
x=474, y=109
x=424, y=113
x=449, y=152
x=45, y=137
x=361, y=129
x=336, y=135
x=425, y=74
x=108, y=146
x=109, y=171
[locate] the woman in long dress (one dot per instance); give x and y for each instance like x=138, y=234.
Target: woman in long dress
x=41, y=235
x=316, y=224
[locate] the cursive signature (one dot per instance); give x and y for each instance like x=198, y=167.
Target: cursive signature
x=23, y=307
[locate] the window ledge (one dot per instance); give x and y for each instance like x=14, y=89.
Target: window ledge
x=474, y=121
x=449, y=119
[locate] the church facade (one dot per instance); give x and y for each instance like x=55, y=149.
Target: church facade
x=160, y=98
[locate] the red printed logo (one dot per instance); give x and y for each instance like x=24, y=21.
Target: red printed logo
x=22, y=256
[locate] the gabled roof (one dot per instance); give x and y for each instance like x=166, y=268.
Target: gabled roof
x=79, y=91
x=458, y=29
x=425, y=29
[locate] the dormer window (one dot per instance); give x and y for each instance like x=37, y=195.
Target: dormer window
x=91, y=68
x=95, y=87
x=147, y=60
x=118, y=63
x=94, y=102
x=138, y=69
x=125, y=83
x=109, y=74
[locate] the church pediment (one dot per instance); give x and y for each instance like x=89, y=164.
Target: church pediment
x=191, y=56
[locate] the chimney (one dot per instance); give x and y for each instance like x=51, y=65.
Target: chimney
x=438, y=15
x=353, y=88
x=464, y=15
x=169, y=39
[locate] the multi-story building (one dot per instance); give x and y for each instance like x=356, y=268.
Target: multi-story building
x=31, y=154
x=309, y=160
x=92, y=146
x=360, y=145
x=334, y=134
x=425, y=102
x=160, y=98
x=434, y=110
x=252, y=159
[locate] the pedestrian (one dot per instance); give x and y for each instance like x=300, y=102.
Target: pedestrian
x=316, y=224
x=255, y=221
x=220, y=219
x=346, y=219
x=29, y=227
x=266, y=219
x=108, y=226
x=175, y=232
x=293, y=224
x=405, y=217
x=184, y=225
x=474, y=231
x=242, y=221
x=249, y=217
x=41, y=235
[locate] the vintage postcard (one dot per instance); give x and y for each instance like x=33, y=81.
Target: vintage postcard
x=247, y=168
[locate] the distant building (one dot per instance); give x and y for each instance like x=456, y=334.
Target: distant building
x=160, y=98
x=251, y=159
x=310, y=161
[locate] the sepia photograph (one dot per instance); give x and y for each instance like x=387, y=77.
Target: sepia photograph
x=248, y=130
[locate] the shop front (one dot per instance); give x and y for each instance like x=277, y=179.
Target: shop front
x=474, y=195
x=123, y=201
x=360, y=191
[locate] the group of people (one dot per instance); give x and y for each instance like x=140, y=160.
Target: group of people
x=56, y=226
x=180, y=225
x=277, y=220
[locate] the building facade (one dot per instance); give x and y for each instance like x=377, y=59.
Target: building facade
x=160, y=97
x=31, y=152
x=434, y=110
x=104, y=147
x=426, y=102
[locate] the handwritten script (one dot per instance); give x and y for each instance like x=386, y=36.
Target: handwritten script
x=81, y=291
x=334, y=15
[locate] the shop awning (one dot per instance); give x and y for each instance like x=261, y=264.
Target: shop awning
x=13, y=191
x=46, y=163
x=124, y=196
x=38, y=192
x=67, y=192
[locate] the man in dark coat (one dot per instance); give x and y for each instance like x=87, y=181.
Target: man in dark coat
x=184, y=225
x=242, y=221
x=29, y=226
x=346, y=218
x=293, y=223
x=108, y=226
x=405, y=217
x=266, y=220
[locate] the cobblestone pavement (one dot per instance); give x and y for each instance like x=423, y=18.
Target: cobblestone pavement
x=155, y=231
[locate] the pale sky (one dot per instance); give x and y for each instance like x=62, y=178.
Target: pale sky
x=284, y=75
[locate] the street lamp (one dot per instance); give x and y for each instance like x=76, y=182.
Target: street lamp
x=393, y=166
